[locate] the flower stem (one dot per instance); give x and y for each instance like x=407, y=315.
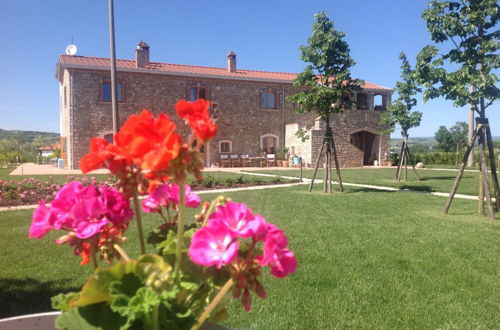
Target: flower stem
x=206, y=313
x=210, y=210
x=93, y=254
x=120, y=251
x=138, y=217
x=180, y=231
x=156, y=323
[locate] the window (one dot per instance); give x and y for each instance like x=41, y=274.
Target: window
x=269, y=143
x=361, y=101
x=106, y=92
x=344, y=102
x=195, y=93
x=378, y=102
x=108, y=137
x=225, y=146
x=269, y=100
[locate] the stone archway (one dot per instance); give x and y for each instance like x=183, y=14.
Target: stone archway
x=369, y=144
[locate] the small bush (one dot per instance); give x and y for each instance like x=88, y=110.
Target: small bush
x=229, y=182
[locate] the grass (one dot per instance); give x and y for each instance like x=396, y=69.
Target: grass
x=403, y=265
x=435, y=181
x=62, y=178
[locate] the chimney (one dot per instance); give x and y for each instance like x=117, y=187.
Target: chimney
x=231, y=62
x=141, y=55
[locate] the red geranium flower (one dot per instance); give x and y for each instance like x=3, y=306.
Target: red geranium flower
x=103, y=154
x=197, y=115
x=150, y=142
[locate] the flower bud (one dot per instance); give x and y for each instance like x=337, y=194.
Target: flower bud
x=246, y=300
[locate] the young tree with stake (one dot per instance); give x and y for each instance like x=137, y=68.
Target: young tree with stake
x=325, y=81
x=467, y=28
x=399, y=114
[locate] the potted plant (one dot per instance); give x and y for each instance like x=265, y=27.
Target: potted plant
x=197, y=263
x=281, y=155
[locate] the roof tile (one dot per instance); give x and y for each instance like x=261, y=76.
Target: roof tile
x=67, y=60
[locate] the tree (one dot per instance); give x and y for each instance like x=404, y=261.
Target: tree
x=443, y=138
x=399, y=112
x=324, y=82
x=467, y=30
x=458, y=133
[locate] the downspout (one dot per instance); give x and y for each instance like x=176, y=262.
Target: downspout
x=71, y=155
x=283, y=115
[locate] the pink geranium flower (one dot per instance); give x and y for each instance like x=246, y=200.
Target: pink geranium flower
x=42, y=221
x=83, y=210
x=168, y=194
x=276, y=255
x=213, y=245
x=238, y=219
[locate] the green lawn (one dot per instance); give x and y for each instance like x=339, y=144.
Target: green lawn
x=367, y=259
x=62, y=178
x=431, y=180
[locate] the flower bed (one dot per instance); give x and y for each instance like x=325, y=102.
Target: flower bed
x=30, y=191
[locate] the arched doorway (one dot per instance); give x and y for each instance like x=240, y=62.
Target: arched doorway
x=368, y=143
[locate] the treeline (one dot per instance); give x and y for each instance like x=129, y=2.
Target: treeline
x=22, y=146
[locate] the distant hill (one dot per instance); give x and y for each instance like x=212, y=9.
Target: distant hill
x=426, y=143
x=23, y=137
x=22, y=146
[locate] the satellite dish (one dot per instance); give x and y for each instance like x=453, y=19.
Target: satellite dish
x=71, y=50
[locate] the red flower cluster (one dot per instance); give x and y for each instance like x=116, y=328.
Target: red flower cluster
x=197, y=116
x=148, y=142
x=103, y=154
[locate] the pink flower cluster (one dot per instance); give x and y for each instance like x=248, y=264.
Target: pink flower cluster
x=218, y=242
x=166, y=195
x=80, y=209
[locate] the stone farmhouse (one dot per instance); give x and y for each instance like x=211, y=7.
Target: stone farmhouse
x=250, y=108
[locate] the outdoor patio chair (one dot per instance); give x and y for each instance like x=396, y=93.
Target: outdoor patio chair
x=270, y=160
x=225, y=161
x=245, y=160
x=235, y=160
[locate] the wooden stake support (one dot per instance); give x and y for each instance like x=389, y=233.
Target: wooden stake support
x=328, y=145
x=483, y=133
x=405, y=158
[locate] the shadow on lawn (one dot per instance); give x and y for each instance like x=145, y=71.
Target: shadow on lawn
x=365, y=189
x=26, y=296
x=416, y=188
x=442, y=178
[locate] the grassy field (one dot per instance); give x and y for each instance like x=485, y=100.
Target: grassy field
x=367, y=259
x=431, y=180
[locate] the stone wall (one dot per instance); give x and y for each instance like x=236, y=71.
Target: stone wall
x=295, y=144
x=241, y=119
x=343, y=125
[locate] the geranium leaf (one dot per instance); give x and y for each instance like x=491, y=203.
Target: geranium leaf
x=62, y=300
x=95, y=316
x=96, y=289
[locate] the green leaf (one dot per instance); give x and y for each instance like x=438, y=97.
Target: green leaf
x=122, y=291
x=62, y=300
x=95, y=316
x=96, y=289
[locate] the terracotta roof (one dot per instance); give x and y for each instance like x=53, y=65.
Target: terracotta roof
x=181, y=69
x=51, y=147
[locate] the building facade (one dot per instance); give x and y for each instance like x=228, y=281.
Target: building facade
x=250, y=107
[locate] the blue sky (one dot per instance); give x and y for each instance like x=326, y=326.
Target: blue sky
x=265, y=35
